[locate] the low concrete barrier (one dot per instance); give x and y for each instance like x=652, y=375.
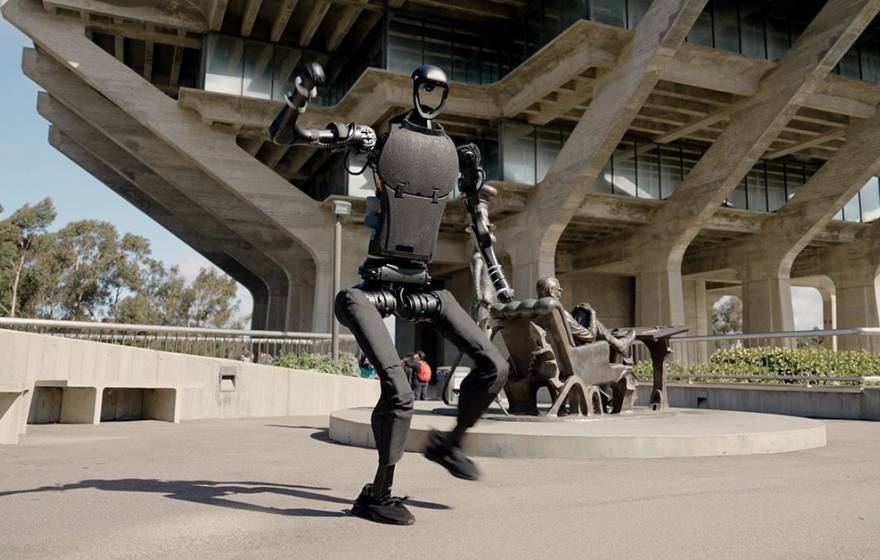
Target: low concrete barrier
x=813, y=402
x=78, y=381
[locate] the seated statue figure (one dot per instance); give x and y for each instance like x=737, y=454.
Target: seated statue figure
x=583, y=323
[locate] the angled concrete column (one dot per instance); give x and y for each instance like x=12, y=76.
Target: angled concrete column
x=186, y=219
x=855, y=268
x=168, y=176
x=281, y=221
x=531, y=237
x=195, y=239
x=657, y=249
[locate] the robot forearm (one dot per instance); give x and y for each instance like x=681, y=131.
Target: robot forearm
x=472, y=186
x=285, y=130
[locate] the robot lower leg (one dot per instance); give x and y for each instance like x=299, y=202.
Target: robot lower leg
x=393, y=413
x=490, y=368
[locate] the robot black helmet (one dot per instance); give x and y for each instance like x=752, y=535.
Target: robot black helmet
x=429, y=77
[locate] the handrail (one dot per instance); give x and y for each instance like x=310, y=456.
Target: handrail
x=859, y=331
x=86, y=325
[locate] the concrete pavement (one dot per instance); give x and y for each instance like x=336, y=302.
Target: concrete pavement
x=277, y=488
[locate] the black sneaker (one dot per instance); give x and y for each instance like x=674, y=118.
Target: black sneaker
x=451, y=458
x=387, y=509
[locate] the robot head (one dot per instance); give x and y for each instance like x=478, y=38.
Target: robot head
x=426, y=78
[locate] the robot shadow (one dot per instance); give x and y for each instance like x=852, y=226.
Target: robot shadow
x=219, y=494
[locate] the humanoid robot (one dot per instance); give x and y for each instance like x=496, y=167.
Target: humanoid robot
x=416, y=166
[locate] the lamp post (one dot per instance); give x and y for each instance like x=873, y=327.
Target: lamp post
x=341, y=208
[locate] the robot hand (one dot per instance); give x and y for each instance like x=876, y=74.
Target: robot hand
x=472, y=175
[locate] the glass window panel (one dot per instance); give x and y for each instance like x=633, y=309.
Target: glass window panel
x=775, y=185
x=604, y=184
x=756, y=188
x=737, y=198
x=751, y=22
x=438, y=46
x=466, y=57
x=794, y=178
x=257, y=81
x=636, y=11
x=870, y=51
x=285, y=64
x=610, y=12
x=670, y=169
x=849, y=64
x=701, y=32
x=852, y=211
x=625, y=169
x=518, y=145
x=647, y=170
x=549, y=144
x=870, y=196
x=405, y=40
x=489, y=150
x=726, y=25
x=223, y=64
x=839, y=215
x=689, y=156
x=777, y=38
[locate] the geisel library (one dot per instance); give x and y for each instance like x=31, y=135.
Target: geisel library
x=655, y=156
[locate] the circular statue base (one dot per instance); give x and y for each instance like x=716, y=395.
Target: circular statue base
x=641, y=434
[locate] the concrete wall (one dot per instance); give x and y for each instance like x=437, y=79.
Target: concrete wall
x=169, y=386
x=612, y=296
x=845, y=404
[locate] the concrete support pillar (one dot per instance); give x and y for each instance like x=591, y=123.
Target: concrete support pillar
x=528, y=266
x=767, y=303
x=659, y=298
x=858, y=305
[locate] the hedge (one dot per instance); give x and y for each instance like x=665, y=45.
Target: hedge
x=346, y=364
x=769, y=360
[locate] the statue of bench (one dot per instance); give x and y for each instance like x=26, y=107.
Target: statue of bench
x=590, y=378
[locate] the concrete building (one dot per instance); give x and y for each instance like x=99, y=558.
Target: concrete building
x=653, y=155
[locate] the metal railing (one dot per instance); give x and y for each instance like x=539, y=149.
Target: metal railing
x=243, y=345
x=693, y=351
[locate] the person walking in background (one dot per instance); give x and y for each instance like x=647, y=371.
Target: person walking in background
x=423, y=377
x=410, y=365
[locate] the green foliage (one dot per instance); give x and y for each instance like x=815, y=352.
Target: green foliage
x=345, y=365
x=767, y=361
x=87, y=271
x=22, y=238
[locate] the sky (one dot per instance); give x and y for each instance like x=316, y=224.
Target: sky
x=31, y=169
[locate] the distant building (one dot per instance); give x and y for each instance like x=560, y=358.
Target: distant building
x=654, y=160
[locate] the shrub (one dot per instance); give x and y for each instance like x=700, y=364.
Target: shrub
x=346, y=364
x=762, y=361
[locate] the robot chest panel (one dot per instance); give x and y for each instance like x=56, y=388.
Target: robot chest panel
x=418, y=171
x=418, y=163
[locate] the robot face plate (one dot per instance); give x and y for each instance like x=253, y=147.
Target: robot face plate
x=426, y=78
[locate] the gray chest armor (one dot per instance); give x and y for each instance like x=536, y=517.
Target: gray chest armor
x=418, y=168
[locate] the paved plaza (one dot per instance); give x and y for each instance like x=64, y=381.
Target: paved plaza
x=277, y=488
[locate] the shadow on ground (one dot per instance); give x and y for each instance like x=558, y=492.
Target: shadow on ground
x=219, y=494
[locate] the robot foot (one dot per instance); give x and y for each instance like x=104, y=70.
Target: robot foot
x=451, y=458
x=386, y=509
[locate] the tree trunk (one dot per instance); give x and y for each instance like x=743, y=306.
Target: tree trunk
x=15, y=286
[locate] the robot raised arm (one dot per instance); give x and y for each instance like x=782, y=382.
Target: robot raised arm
x=285, y=130
x=475, y=190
